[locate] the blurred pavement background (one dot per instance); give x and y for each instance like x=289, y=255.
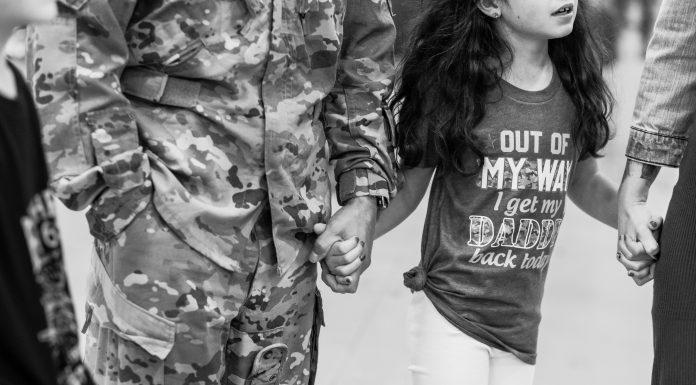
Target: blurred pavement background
x=596, y=326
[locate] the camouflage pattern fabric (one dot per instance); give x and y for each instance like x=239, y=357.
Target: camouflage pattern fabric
x=270, y=91
x=160, y=312
x=276, y=80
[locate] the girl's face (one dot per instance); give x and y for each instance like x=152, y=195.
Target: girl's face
x=540, y=19
x=20, y=12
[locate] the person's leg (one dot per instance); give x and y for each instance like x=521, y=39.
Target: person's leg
x=441, y=354
x=158, y=311
x=674, y=301
x=506, y=369
x=675, y=351
x=274, y=339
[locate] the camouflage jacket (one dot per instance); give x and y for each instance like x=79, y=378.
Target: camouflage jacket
x=212, y=109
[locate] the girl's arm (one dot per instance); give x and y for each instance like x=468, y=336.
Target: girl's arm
x=416, y=181
x=593, y=193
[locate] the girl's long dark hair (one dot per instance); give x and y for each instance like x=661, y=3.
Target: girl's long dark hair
x=455, y=59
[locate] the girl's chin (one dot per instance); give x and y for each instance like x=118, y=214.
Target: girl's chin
x=561, y=32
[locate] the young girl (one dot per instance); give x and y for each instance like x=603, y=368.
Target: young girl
x=505, y=102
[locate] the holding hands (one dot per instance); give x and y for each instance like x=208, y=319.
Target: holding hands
x=639, y=229
x=345, y=243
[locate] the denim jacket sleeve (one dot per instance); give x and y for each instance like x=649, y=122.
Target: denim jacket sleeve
x=356, y=131
x=666, y=101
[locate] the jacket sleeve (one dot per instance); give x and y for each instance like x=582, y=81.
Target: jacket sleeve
x=90, y=136
x=355, y=127
x=666, y=100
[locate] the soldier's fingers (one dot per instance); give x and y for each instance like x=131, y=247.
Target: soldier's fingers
x=322, y=246
x=319, y=228
x=357, y=253
x=343, y=247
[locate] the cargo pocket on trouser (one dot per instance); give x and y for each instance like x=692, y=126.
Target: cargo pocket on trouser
x=268, y=365
x=316, y=328
x=253, y=359
x=124, y=342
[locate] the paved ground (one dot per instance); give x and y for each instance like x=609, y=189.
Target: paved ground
x=596, y=327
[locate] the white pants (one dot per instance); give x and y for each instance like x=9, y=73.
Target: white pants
x=443, y=355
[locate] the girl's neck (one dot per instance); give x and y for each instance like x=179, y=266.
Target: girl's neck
x=8, y=86
x=531, y=67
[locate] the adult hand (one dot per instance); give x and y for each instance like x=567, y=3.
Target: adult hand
x=637, y=245
x=348, y=236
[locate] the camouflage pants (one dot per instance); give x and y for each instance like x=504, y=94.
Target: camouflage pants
x=160, y=313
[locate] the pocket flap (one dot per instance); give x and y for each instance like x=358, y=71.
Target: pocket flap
x=130, y=321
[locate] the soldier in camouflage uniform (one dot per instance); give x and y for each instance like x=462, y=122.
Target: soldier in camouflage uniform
x=199, y=132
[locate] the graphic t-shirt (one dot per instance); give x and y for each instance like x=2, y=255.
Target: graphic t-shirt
x=38, y=339
x=489, y=236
